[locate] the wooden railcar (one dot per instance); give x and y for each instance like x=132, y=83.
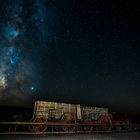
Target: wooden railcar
x=99, y=117
x=69, y=117
x=121, y=122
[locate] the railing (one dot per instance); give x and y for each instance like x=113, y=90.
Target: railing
x=23, y=128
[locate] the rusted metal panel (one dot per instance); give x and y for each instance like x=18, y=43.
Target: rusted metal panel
x=92, y=112
x=53, y=109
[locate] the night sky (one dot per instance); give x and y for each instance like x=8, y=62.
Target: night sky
x=73, y=51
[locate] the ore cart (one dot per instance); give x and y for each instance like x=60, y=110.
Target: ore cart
x=121, y=122
x=61, y=115
x=96, y=119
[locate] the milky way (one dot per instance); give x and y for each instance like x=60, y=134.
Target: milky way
x=16, y=72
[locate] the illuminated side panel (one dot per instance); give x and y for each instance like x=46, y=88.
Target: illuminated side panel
x=79, y=112
x=92, y=112
x=53, y=109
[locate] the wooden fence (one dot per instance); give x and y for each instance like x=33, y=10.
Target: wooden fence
x=22, y=128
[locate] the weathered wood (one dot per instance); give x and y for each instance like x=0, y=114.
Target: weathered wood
x=53, y=110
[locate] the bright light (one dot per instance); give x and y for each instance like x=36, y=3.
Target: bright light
x=32, y=88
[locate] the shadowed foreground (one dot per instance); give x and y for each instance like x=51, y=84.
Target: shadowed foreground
x=109, y=136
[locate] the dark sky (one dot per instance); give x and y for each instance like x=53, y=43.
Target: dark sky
x=76, y=51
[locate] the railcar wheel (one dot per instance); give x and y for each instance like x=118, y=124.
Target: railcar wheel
x=68, y=119
x=40, y=127
x=105, y=122
x=88, y=125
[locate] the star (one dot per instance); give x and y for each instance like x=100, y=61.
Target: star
x=32, y=88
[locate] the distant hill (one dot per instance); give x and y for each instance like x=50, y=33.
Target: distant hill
x=8, y=113
x=135, y=119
